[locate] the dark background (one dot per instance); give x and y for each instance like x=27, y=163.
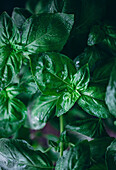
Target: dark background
x=8, y=5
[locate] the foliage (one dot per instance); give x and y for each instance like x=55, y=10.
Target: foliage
x=57, y=70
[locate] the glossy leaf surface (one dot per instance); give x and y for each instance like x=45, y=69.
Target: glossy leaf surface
x=19, y=155
x=46, y=32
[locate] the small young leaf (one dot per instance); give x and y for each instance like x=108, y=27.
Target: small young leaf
x=77, y=157
x=18, y=154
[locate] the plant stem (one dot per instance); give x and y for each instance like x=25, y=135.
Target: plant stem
x=61, y=130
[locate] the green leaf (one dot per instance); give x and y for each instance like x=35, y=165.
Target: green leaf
x=10, y=50
x=43, y=107
x=65, y=102
x=91, y=56
x=111, y=92
x=53, y=73
x=96, y=35
x=19, y=15
x=18, y=154
x=89, y=127
x=59, y=79
x=77, y=157
x=111, y=156
x=101, y=73
x=41, y=6
x=82, y=78
x=92, y=101
x=98, y=148
x=13, y=113
x=9, y=33
x=41, y=36
x=100, y=166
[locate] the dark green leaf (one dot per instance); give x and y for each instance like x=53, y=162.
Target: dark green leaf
x=91, y=56
x=92, y=101
x=111, y=156
x=19, y=155
x=100, y=166
x=98, y=148
x=89, y=127
x=96, y=35
x=77, y=157
x=111, y=92
x=46, y=32
x=101, y=73
x=41, y=6
x=13, y=113
x=19, y=16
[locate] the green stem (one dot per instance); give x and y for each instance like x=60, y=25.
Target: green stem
x=61, y=130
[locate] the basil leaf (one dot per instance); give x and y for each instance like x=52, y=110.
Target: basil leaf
x=82, y=78
x=18, y=154
x=19, y=15
x=89, y=127
x=13, y=113
x=51, y=78
x=66, y=79
x=43, y=107
x=77, y=157
x=99, y=166
x=96, y=35
x=98, y=148
x=91, y=56
x=111, y=155
x=41, y=36
x=10, y=50
x=41, y=6
x=92, y=101
x=111, y=92
x=101, y=73
x=65, y=102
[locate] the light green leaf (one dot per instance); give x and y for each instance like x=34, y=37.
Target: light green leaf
x=92, y=101
x=10, y=50
x=46, y=32
x=19, y=155
x=13, y=113
x=77, y=157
